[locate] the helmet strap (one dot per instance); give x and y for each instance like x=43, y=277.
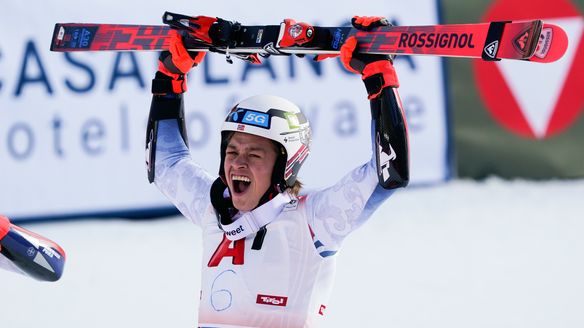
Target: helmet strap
x=278, y=183
x=279, y=167
x=223, y=205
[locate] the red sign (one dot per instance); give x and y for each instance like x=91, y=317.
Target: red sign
x=530, y=99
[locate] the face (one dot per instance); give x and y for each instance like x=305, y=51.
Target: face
x=249, y=162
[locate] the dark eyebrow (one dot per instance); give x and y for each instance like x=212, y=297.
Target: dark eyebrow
x=252, y=148
x=248, y=148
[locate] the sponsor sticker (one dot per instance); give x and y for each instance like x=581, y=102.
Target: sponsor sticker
x=292, y=119
x=293, y=205
x=256, y=119
x=491, y=49
x=272, y=300
x=61, y=33
x=545, y=40
x=321, y=310
x=259, y=36
x=520, y=42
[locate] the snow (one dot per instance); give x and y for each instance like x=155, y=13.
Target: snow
x=461, y=254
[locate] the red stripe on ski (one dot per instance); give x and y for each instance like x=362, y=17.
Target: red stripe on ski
x=93, y=37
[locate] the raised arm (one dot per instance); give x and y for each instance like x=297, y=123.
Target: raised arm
x=336, y=211
x=28, y=253
x=168, y=161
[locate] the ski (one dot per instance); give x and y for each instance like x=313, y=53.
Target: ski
x=530, y=40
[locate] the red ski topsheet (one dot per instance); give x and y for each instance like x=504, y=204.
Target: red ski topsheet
x=94, y=37
x=518, y=40
x=462, y=40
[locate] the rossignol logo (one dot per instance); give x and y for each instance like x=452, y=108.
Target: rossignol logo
x=149, y=144
x=520, y=42
x=272, y=300
x=235, y=231
x=384, y=158
x=436, y=40
x=491, y=49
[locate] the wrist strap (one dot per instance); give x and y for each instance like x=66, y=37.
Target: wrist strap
x=163, y=84
x=377, y=76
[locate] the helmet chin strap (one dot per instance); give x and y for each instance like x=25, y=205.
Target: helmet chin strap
x=278, y=182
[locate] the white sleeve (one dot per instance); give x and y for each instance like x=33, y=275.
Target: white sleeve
x=335, y=212
x=184, y=182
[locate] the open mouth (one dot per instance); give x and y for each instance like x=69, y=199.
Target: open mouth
x=240, y=183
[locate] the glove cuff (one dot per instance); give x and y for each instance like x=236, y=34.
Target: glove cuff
x=163, y=84
x=377, y=76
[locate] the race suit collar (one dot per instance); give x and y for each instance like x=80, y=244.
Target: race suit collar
x=247, y=223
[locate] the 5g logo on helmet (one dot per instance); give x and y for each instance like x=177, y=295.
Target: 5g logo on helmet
x=250, y=117
x=256, y=118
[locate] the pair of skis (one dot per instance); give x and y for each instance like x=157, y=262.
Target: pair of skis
x=531, y=40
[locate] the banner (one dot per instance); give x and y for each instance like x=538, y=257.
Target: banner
x=72, y=126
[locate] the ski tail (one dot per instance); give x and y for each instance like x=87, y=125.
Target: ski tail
x=552, y=44
x=511, y=40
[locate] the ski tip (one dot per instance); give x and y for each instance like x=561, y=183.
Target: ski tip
x=552, y=44
x=58, y=33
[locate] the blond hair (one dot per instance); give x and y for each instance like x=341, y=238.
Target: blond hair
x=295, y=189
